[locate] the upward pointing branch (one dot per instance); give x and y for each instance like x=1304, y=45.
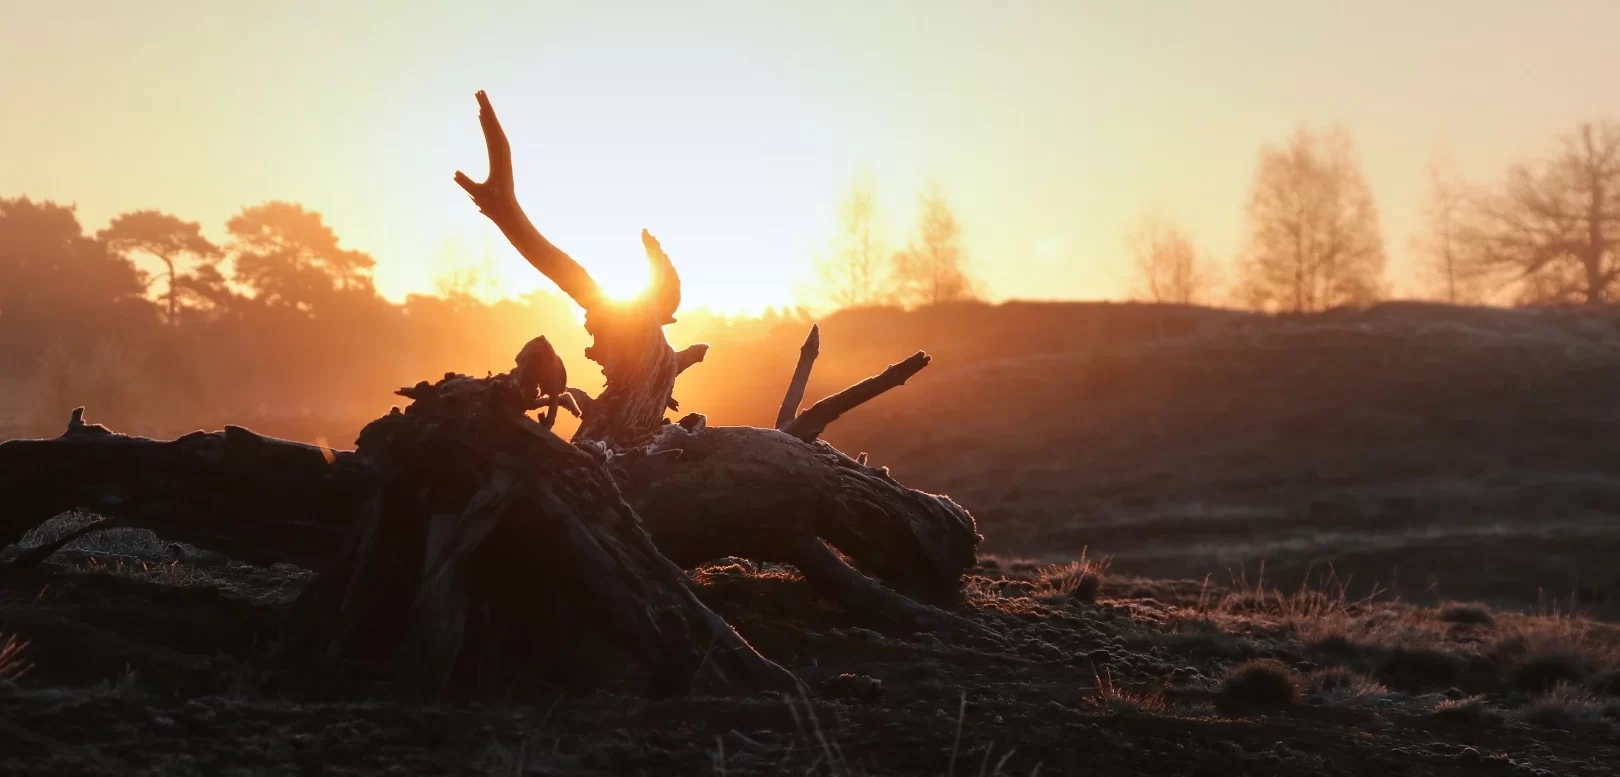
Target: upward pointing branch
x=497, y=199
x=801, y=376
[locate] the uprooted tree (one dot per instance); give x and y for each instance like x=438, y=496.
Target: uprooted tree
x=465, y=544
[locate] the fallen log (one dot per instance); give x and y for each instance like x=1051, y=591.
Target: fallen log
x=470, y=547
x=253, y=498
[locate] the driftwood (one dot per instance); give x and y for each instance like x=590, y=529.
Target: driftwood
x=466, y=544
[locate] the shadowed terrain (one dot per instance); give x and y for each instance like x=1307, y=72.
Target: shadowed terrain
x=1362, y=542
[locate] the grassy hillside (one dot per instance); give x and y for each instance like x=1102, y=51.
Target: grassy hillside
x=1419, y=446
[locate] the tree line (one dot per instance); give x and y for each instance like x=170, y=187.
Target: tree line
x=1547, y=233
x=859, y=269
x=157, y=329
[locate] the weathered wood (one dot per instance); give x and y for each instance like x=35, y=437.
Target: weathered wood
x=690, y=355
x=235, y=492
x=516, y=544
x=811, y=423
x=496, y=197
x=801, y=378
x=638, y=365
x=710, y=492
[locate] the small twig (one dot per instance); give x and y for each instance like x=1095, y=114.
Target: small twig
x=811, y=423
x=801, y=377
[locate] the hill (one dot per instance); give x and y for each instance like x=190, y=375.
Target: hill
x=1424, y=447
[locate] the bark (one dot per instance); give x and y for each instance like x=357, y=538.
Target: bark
x=526, y=563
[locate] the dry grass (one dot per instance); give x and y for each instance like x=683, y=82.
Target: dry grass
x=1078, y=580
x=1401, y=645
x=999, y=580
x=1338, y=685
x=13, y=665
x=1473, y=710
x=1121, y=701
x=1568, y=708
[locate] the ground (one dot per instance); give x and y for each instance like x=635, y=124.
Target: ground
x=149, y=658
x=1370, y=542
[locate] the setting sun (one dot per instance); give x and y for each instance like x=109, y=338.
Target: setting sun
x=839, y=388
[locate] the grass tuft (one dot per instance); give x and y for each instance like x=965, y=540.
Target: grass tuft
x=1262, y=681
x=1568, y=708
x=1472, y=710
x=1120, y=701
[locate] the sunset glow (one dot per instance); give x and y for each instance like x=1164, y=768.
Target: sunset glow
x=730, y=129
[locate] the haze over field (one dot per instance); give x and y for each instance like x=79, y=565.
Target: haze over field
x=731, y=129
x=837, y=388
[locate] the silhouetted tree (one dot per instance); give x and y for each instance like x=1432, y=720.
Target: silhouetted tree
x=58, y=283
x=1555, y=225
x=458, y=275
x=1443, y=256
x=857, y=273
x=1313, y=239
x=289, y=257
x=175, y=244
x=933, y=269
x=1166, y=266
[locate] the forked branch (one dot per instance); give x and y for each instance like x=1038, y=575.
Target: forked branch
x=496, y=197
x=811, y=423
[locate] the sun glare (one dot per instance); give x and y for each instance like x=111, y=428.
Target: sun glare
x=622, y=282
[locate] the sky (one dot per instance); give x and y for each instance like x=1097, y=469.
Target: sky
x=731, y=129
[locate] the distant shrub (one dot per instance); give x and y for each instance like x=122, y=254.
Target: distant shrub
x=1468, y=613
x=1419, y=668
x=1262, y=681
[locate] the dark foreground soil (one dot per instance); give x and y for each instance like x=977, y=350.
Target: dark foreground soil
x=151, y=660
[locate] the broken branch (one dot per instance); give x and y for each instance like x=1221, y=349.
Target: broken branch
x=801, y=376
x=811, y=423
